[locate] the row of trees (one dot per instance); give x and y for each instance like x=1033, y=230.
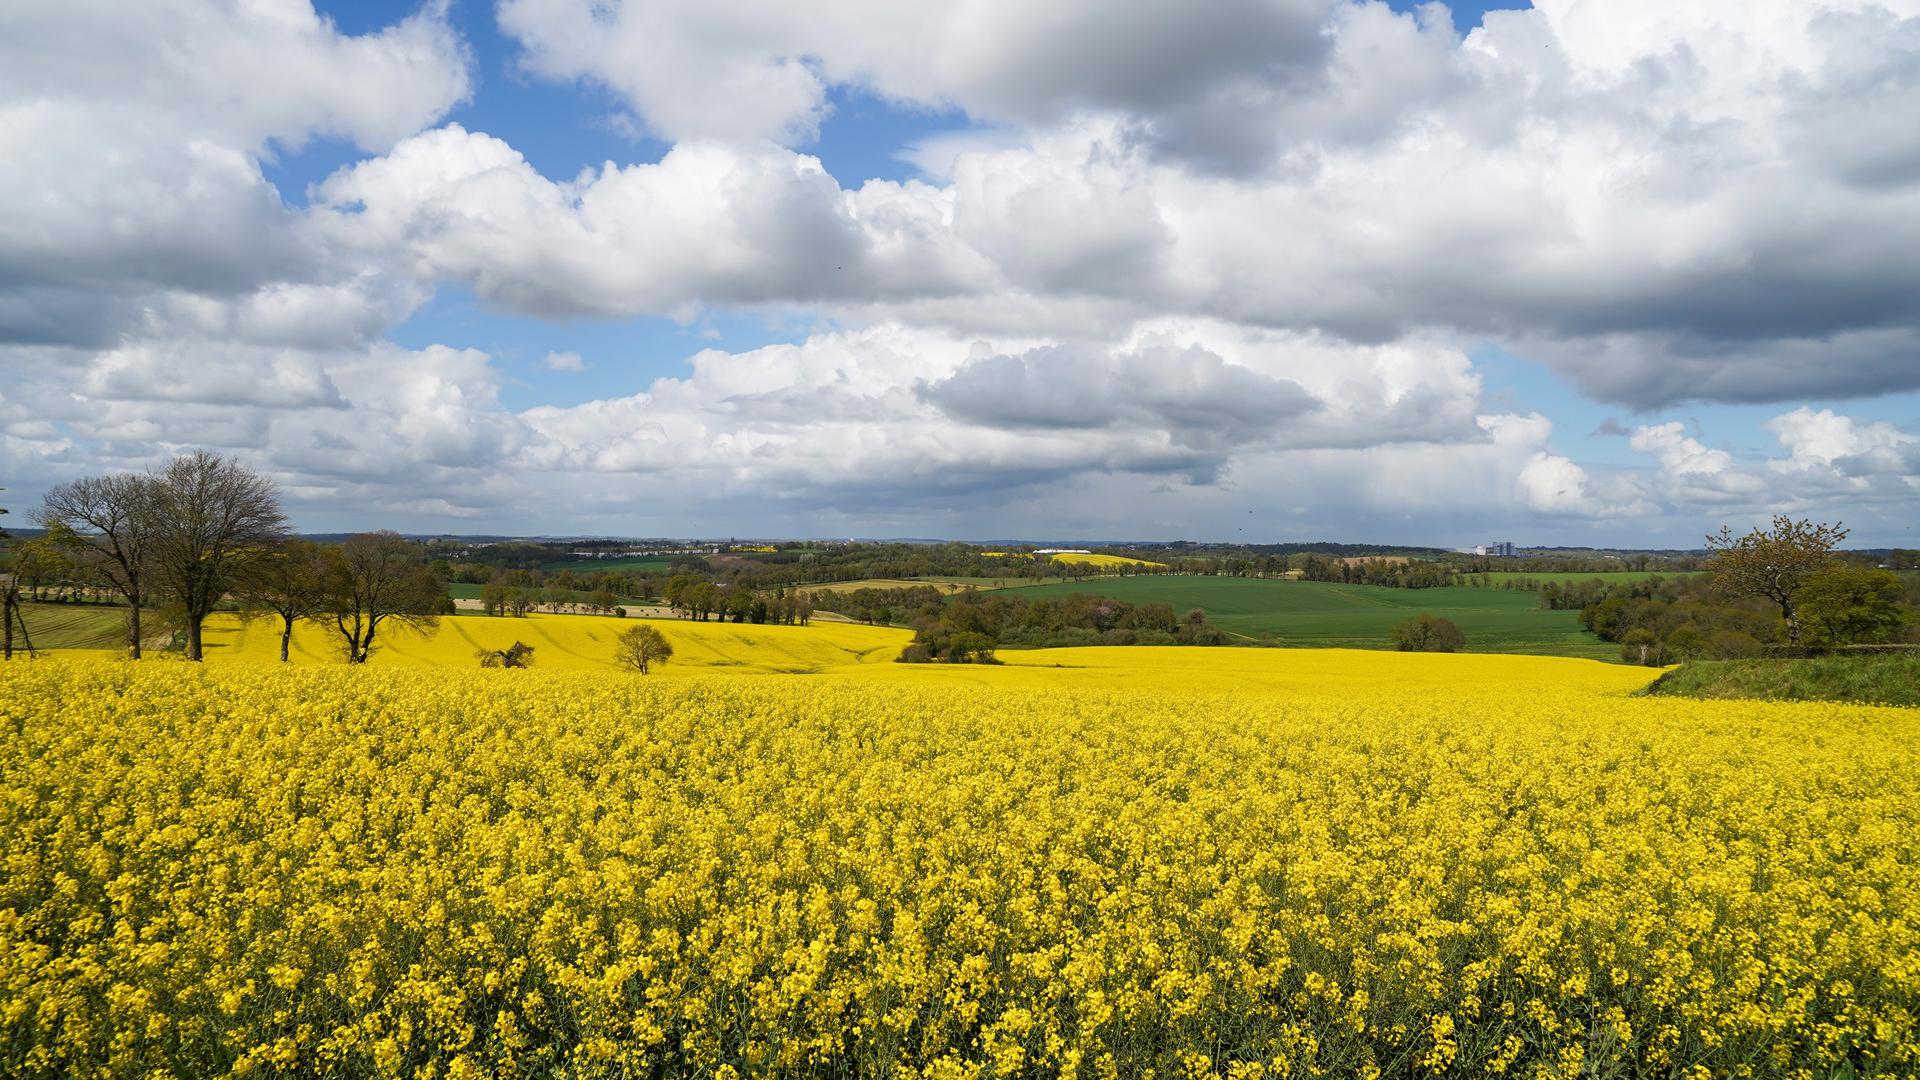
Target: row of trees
x=497, y=598
x=206, y=531
x=696, y=598
x=1396, y=573
x=968, y=627
x=186, y=534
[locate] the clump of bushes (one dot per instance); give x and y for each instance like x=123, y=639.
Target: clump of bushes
x=941, y=646
x=517, y=655
x=1427, y=632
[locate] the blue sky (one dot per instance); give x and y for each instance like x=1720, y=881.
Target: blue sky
x=1309, y=255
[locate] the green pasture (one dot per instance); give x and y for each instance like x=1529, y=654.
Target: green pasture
x=1330, y=615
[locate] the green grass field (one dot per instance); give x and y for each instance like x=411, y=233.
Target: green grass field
x=639, y=562
x=74, y=626
x=1329, y=615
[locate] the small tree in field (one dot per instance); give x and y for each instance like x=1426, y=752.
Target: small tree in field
x=494, y=598
x=517, y=655
x=102, y=523
x=641, y=646
x=374, y=579
x=1428, y=633
x=211, y=519
x=289, y=582
x=1774, y=563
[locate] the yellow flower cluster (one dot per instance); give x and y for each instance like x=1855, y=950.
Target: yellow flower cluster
x=254, y=869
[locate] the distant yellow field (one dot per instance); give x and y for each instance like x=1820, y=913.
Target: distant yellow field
x=1256, y=672
x=577, y=642
x=1103, y=560
x=853, y=652
x=864, y=653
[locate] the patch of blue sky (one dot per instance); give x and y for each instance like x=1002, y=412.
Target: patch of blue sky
x=1598, y=433
x=559, y=127
x=864, y=136
x=1466, y=13
x=1514, y=384
x=617, y=357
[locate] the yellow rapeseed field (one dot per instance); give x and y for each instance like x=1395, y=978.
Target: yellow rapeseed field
x=573, y=642
x=1102, y=560
x=1326, y=865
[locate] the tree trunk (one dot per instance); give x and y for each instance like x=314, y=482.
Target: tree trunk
x=286, y=636
x=133, y=631
x=6, y=625
x=193, y=638
x=1793, y=621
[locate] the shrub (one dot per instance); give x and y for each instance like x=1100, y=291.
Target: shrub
x=1426, y=632
x=1851, y=606
x=1686, y=643
x=517, y=655
x=1734, y=645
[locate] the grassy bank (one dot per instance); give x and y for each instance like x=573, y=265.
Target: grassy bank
x=1883, y=678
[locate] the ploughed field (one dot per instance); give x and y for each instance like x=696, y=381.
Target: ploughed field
x=1323, y=614
x=1198, y=862
x=73, y=626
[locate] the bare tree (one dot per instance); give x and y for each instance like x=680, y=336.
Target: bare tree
x=290, y=582
x=211, y=517
x=1774, y=563
x=104, y=525
x=374, y=578
x=11, y=616
x=10, y=613
x=640, y=647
